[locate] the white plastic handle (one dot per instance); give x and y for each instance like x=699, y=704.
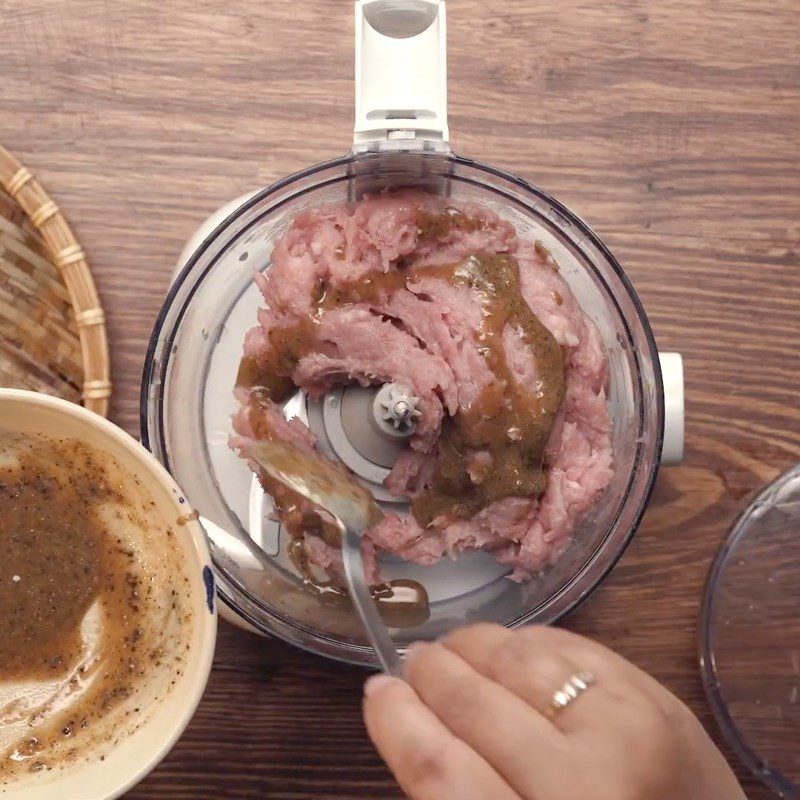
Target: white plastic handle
x=401, y=71
x=672, y=375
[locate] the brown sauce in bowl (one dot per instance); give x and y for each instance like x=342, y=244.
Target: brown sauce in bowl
x=53, y=554
x=84, y=623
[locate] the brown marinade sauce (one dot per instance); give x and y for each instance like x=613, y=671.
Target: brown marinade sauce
x=433, y=226
x=402, y=603
x=57, y=558
x=273, y=374
x=512, y=423
x=53, y=555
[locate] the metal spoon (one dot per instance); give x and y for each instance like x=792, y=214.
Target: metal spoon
x=315, y=477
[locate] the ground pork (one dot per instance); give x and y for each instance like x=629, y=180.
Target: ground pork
x=423, y=335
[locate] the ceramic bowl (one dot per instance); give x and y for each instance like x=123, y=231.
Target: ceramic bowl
x=135, y=753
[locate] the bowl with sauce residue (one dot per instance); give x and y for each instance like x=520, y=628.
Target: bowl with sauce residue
x=107, y=614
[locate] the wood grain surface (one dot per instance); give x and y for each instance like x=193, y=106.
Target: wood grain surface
x=671, y=125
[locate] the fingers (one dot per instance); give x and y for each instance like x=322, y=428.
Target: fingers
x=471, y=725
x=429, y=762
x=533, y=673
x=534, y=663
x=492, y=720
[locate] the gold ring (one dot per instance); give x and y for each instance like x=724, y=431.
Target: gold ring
x=570, y=691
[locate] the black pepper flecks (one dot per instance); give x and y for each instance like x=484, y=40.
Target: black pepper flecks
x=59, y=559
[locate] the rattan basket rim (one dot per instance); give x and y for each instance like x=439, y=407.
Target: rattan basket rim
x=70, y=259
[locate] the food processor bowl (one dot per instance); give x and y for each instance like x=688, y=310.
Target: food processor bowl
x=191, y=367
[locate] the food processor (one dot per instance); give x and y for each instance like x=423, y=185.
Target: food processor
x=400, y=139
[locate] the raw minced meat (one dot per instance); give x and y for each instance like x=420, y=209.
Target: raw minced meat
x=368, y=293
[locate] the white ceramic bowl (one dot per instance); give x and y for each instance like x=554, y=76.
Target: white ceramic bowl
x=128, y=761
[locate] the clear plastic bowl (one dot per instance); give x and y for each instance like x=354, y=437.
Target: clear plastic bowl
x=187, y=400
x=750, y=636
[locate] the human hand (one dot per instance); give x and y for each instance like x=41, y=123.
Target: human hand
x=475, y=722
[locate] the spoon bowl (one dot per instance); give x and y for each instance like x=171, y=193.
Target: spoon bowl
x=335, y=490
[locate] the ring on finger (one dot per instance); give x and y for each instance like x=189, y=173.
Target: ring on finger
x=571, y=690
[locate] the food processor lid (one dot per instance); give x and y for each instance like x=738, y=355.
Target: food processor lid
x=750, y=636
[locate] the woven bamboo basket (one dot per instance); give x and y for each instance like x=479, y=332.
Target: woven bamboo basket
x=52, y=327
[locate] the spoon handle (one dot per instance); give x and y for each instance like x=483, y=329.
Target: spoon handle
x=365, y=605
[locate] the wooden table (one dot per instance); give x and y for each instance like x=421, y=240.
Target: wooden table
x=671, y=126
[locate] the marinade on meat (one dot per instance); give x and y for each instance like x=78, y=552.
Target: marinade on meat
x=512, y=447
